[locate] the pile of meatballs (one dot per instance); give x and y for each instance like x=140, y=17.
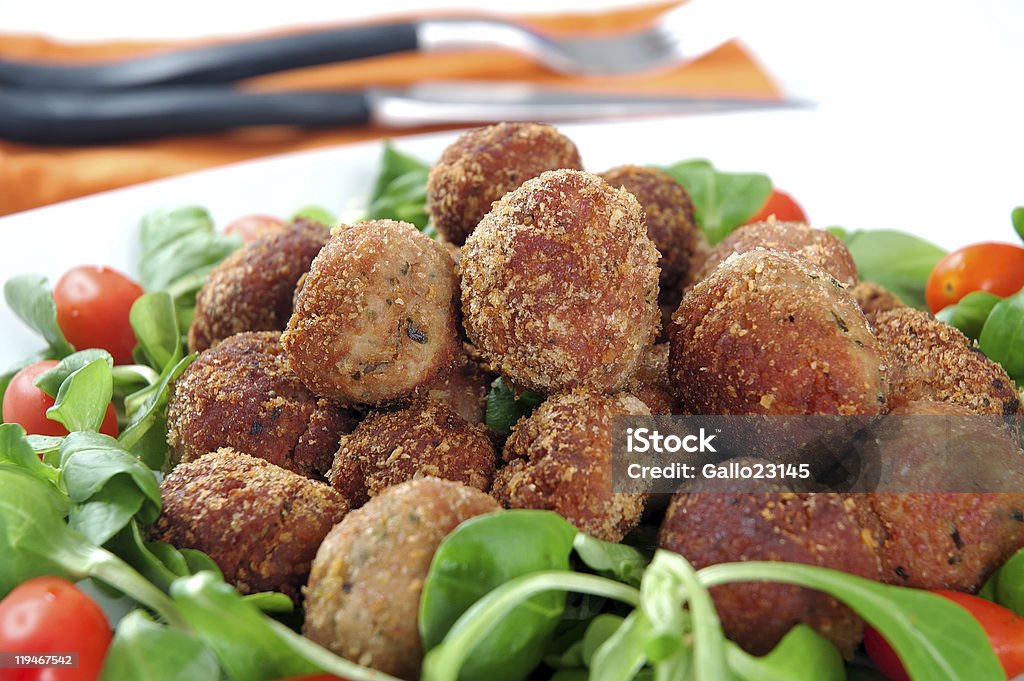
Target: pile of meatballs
x=330, y=432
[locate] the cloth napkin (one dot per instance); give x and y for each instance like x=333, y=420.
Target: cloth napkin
x=32, y=176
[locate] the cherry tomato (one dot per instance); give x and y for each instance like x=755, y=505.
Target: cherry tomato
x=93, y=303
x=782, y=206
x=26, y=404
x=1004, y=627
x=989, y=266
x=49, y=615
x=251, y=227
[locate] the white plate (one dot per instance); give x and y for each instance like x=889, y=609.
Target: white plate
x=844, y=168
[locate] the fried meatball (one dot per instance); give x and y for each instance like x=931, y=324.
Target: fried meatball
x=651, y=383
x=252, y=289
x=769, y=333
x=936, y=361
x=363, y=597
x=260, y=523
x=483, y=165
x=375, y=319
x=816, y=245
x=242, y=394
x=671, y=223
x=560, y=459
x=873, y=299
x=424, y=439
x=560, y=284
x=464, y=389
x=817, y=529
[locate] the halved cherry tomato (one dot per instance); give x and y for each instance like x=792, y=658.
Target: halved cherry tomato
x=251, y=227
x=93, y=303
x=50, y=615
x=1004, y=627
x=782, y=206
x=989, y=266
x=26, y=404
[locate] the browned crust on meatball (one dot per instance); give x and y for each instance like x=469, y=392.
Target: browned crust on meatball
x=933, y=360
x=363, y=597
x=464, y=388
x=242, y=394
x=252, y=289
x=483, y=165
x=671, y=222
x=873, y=299
x=260, y=523
x=769, y=333
x=560, y=284
x=375, y=320
x=816, y=245
x=424, y=439
x=560, y=459
x=651, y=383
x=815, y=529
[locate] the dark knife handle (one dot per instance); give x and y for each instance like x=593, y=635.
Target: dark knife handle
x=39, y=117
x=221, y=63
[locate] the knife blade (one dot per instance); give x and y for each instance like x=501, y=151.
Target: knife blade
x=80, y=118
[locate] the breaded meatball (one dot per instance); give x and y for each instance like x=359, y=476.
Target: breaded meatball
x=873, y=299
x=936, y=361
x=242, y=394
x=817, y=529
x=464, y=388
x=651, y=383
x=252, y=289
x=560, y=284
x=375, y=319
x=769, y=333
x=821, y=248
x=260, y=523
x=424, y=439
x=483, y=165
x=560, y=459
x=363, y=597
x=670, y=222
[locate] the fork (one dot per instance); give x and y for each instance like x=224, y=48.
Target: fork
x=678, y=35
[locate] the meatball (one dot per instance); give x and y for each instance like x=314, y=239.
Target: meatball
x=260, y=523
x=426, y=438
x=251, y=289
x=936, y=361
x=242, y=394
x=483, y=165
x=464, y=389
x=363, y=597
x=651, y=383
x=818, y=246
x=817, y=529
x=560, y=284
x=671, y=224
x=560, y=459
x=873, y=299
x=770, y=333
x=375, y=319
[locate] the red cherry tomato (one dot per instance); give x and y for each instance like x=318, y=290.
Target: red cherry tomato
x=251, y=227
x=782, y=206
x=26, y=404
x=1005, y=630
x=49, y=615
x=989, y=266
x=93, y=303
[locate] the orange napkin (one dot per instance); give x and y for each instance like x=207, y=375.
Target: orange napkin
x=33, y=176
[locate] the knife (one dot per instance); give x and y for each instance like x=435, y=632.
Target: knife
x=80, y=118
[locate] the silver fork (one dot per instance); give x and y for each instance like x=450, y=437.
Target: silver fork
x=679, y=35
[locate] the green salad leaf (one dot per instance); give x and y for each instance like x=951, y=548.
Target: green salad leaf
x=147, y=651
x=1006, y=586
x=619, y=561
x=155, y=324
x=178, y=243
x=316, y=214
x=802, y=655
x=970, y=314
x=30, y=298
x=504, y=408
x=84, y=395
x=400, y=191
x=896, y=260
x=1017, y=218
x=1002, y=338
x=721, y=201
